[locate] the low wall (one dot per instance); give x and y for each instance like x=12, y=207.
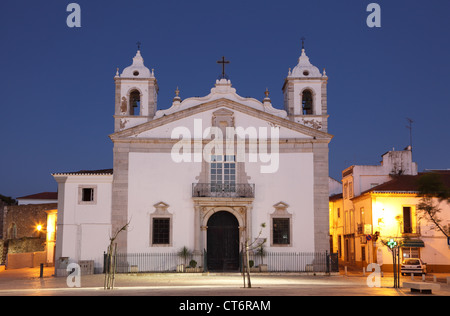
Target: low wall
x=26, y=260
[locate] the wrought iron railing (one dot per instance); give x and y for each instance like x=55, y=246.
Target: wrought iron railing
x=275, y=262
x=229, y=190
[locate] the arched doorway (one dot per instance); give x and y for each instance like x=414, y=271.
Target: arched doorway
x=223, y=242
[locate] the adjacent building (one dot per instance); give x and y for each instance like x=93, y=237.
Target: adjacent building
x=379, y=203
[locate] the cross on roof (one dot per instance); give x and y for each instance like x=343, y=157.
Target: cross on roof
x=303, y=42
x=138, y=45
x=223, y=62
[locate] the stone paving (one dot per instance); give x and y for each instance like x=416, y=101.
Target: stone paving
x=25, y=282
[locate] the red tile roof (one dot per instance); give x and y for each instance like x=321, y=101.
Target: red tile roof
x=85, y=172
x=40, y=196
x=405, y=183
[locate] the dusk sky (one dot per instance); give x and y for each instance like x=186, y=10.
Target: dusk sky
x=57, y=82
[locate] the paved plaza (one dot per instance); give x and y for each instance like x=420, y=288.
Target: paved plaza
x=26, y=282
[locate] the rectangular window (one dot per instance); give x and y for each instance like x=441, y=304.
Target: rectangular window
x=223, y=173
x=362, y=216
x=407, y=227
x=281, y=231
x=340, y=246
x=161, y=231
x=87, y=194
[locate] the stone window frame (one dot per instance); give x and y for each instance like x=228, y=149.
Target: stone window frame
x=281, y=212
x=161, y=211
x=80, y=194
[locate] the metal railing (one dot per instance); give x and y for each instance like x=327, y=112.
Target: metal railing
x=155, y=262
x=297, y=261
x=229, y=190
x=275, y=261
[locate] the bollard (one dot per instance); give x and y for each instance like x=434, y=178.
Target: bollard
x=345, y=269
x=412, y=276
x=423, y=277
x=434, y=279
x=41, y=272
x=364, y=271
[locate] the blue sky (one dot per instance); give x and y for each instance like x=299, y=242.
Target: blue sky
x=57, y=87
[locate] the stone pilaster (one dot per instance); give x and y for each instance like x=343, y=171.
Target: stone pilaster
x=119, y=211
x=321, y=193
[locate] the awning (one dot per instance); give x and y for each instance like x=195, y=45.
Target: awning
x=413, y=243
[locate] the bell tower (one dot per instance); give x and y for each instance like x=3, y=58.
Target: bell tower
x=136, y=95
x=305, y=94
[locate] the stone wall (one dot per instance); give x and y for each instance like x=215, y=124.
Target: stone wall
x=25, y=218
x=25, y=244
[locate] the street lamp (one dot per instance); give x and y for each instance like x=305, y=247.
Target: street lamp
x=39, y=229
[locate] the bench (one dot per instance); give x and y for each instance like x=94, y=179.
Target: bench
x=422, y=287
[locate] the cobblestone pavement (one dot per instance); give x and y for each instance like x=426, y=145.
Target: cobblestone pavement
x=24, y=282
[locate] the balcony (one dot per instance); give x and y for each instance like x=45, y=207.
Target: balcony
x=223, y=190
x=411, y=230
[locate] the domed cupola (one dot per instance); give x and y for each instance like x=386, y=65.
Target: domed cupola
x=137, y=69
x=304, y=68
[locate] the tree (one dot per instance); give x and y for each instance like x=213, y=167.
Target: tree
x=247, y=248
x=111, y=259
x=431, y=187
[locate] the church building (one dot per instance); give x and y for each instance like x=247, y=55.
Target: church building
x=204, y=173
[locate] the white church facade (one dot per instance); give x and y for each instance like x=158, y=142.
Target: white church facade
x=204, y=173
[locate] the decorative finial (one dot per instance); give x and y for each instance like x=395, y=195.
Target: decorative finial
x=117, y=72
x=303, y=42
x=138, y=45
x=177, y=96
x=267, y=93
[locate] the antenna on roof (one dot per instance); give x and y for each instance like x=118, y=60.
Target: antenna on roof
x=410, y=131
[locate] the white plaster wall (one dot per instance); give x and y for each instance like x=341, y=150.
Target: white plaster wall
x=293, y=185
x=37, y=201
x=83, y=231
x=436, y=250
x=154, y=178
x=241, y=120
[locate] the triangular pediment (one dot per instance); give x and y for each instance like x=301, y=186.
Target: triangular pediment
x=281, y=205
x=164, y=124
x=223, y=112
x=161, y=205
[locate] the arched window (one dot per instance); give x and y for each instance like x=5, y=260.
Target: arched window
x=135, y=102
x=307, y=102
